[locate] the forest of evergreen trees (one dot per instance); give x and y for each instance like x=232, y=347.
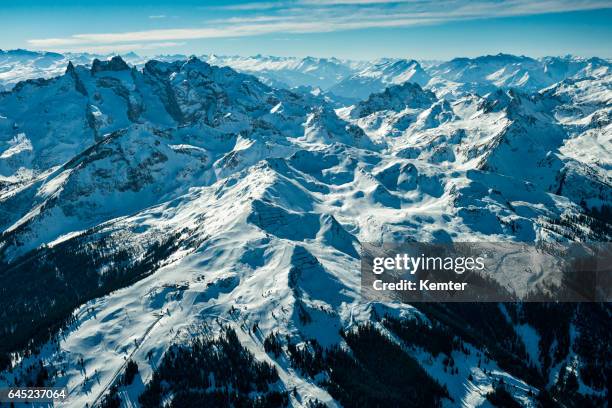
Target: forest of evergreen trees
x=364, y=372
x=381, y=374
x=485, y=326
x=594, y=225
x=221, y=372
x=40, y=291
x=217, y=372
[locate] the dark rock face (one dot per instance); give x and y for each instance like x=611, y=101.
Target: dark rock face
x=114, y=64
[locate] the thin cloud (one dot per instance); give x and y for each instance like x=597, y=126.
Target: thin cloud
x=249, y=6
x=353, y=2
x=158, y=16
x=226, y=32
x=327, y=16
x=254, y=6
x=118, y=48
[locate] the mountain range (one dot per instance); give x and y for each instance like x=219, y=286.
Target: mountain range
x=152, y=211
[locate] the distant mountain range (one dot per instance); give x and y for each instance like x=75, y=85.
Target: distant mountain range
x=345, y=78
x=153, y=211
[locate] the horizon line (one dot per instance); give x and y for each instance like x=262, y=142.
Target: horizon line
x=187, y=56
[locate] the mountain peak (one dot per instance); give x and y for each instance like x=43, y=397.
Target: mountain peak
x=116, y=63
x=396, y=98
x=22, y=52
x=70, y=67
x=131, y=54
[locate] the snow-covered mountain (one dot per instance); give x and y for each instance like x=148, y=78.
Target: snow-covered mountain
x=290, y=72
x=485, y=74
x=346, y=80
x=19, y=65
x=153, y=212
x=378, y=76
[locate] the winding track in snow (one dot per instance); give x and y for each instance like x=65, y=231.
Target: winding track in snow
x=122, y=367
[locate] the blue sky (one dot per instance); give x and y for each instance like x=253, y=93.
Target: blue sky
x=357, y=29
